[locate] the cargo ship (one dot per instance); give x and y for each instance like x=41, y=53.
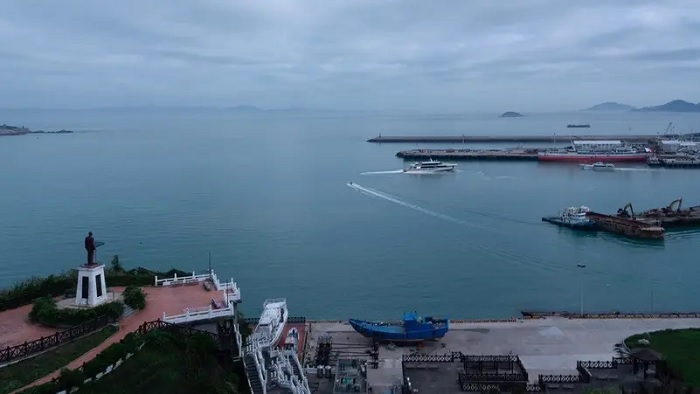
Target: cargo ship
x=412, y=328
x=595, y=151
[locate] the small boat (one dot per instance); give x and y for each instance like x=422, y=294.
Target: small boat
x=272, y=321
x=429, y=167
x=412, y=328
x=598, y=166
x=573, y=217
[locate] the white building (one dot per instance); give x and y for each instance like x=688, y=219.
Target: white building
x=597, y=145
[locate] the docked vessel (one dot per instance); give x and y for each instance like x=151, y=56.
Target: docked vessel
x=412, y=328
x=573, y=217
x=431, y=166
x=594, y=151
x=598, y=166
x=272, y=321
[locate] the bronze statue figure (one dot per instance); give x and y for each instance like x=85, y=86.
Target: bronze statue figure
x=90, y=247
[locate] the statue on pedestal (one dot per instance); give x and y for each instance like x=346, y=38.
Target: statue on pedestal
x=90, y=248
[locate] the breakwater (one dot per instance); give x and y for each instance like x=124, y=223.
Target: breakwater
x=470, y=154
x=463, y=139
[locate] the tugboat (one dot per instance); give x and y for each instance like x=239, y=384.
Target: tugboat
x=573, y=217
x=412, y=328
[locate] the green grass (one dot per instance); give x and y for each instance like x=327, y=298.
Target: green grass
x=170, y=365
x=24, y=372
x=679, y=348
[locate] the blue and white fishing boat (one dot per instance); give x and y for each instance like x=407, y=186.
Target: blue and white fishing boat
x=412, y=328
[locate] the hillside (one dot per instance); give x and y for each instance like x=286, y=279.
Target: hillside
x=511, y=114
x=673, y=106
x=610, y=106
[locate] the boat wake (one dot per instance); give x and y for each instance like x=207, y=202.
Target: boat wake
x=382, y=172
x=638, y=169
x=390, y=198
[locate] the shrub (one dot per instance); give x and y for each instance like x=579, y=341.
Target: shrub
x=25, y=292
x=134, y=297
x=46, y=312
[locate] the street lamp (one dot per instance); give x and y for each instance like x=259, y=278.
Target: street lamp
x=581, y=266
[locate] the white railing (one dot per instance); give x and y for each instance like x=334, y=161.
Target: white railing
x=178, y=280
x=193, y=314
x=231, y=291
x=254, y=351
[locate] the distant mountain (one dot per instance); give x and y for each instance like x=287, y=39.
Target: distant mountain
x=610, y=106
x=511, y=114
x=673, y=106
x=245, y=108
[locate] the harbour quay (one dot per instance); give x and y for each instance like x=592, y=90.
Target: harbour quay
x=506, y=138
x=470, y=154
x=554, y=353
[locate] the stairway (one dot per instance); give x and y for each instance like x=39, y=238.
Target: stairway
x=295, y=368
x=251, y=371
x=128, y=311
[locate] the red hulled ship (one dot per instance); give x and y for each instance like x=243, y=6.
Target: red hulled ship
x=595, y=151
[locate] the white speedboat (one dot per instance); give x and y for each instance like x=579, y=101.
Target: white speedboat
x=272, y=321
x=429, y=167
x=598, y=166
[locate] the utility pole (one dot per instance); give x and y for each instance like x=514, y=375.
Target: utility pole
x=582, y=267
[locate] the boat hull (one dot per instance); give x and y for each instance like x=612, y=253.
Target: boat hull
x=587, y=158
x=396, y=333
x=582, y=226
x=429, y=171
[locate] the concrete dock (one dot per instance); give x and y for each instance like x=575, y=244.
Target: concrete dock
x=464, y=139
x=549, y=346
x=470, y=154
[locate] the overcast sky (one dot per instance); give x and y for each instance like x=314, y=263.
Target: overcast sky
x=521, y=55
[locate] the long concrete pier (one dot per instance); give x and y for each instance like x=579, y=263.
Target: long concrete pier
x=464, y=139
x=470, y=154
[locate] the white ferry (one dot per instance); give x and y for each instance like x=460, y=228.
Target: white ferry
x=598, y=166
x=272, y=321
x=431, y=166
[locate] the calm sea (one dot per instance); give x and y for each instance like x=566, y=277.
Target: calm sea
x=267, y=195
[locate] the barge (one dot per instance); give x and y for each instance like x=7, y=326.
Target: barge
x=672, y=215
x=626, y=226
x=674, y=162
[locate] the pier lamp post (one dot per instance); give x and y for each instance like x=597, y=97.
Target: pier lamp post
x=581, y=267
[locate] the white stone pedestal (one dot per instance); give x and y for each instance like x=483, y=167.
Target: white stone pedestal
x=92, y=288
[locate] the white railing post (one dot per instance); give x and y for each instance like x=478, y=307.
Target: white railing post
x=156, y=282
x=193, y=275
x=164, y=316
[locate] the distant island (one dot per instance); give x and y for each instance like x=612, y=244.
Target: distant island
x=21, y=130
x=511, y=114
x=610, y=106
x=672, y=106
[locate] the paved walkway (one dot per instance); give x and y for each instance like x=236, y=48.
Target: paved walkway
x=171, y=300
x=15, y=327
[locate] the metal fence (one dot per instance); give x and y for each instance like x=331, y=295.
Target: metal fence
x=42, y=344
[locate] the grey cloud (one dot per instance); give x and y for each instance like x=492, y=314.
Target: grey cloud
x=346, y=53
